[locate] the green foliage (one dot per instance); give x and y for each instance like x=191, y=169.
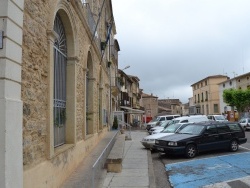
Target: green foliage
x=115, y=123
x=237, y=97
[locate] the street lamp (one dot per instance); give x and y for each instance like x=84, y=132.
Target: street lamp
x=126, y=67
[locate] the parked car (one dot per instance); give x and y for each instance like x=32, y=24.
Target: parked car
x=149, y=141
x=184, y=119
x=216, y=118
x=158, y=119
x=159, y=128
x=190, y=119
x=245, y=123
x=199, y=137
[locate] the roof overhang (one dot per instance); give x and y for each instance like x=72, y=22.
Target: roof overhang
x=132, y=111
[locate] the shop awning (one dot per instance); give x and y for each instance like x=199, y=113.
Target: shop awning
x=132, y=111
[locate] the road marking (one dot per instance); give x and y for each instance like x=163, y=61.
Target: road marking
x=202, y=172
x=244, y=148
x=214, y=157
x=216, y=166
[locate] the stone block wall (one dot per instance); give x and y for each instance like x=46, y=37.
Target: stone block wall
x=36, y=78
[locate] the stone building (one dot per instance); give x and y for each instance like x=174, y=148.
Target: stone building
x=57, y=59
x=150, y=104
x=173, y=104
x=130, y=97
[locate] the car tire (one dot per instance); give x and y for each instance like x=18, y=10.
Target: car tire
x=234, y=146
x=191, y=151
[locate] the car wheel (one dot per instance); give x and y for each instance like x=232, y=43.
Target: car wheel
x=191, y=151
x=234, y=145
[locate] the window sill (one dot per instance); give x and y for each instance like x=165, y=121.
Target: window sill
x=63, y=148
x=88, y=136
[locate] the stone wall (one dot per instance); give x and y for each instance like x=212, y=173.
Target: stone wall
x=35, y=92
x=34, y=82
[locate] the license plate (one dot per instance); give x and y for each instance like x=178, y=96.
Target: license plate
x=160, y=149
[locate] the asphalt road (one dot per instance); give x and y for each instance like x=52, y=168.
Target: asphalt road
x=160, y=161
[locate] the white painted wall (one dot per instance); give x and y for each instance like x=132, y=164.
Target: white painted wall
x=11, y=108
x=222, y=87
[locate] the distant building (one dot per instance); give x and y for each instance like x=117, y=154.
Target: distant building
x=206, y=95
x=185, y=109
x=173, y=104
x=150, y=104
x=239, y=82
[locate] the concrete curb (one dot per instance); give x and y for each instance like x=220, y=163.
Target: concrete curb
x=151, y=174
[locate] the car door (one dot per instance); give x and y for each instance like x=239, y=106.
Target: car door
x=225, y=135
x=209, y=138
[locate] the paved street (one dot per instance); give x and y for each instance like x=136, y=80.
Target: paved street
x=202, y=172
x=214, y=169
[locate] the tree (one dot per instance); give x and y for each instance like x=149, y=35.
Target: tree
x=115, y=123
x=238, y=98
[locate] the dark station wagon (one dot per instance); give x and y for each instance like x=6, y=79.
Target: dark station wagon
x=199, y=137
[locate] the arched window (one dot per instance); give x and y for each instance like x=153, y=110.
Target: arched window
x=60, y=65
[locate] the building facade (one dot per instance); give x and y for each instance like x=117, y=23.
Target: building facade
x=206, y=95
x=150, y=105
x=239, y=82
x=56, y=99
x=173, y=104
x=130, y=98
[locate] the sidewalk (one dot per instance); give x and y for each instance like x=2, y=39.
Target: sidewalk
x=137, y=167
x=82, y=176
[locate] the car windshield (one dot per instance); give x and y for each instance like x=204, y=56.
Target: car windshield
x=219, y=117
x=154, y=119
x=171, y=128
x=192, y=129
x=165, y=123
x=175, y=121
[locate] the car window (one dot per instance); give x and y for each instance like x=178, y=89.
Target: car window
x=243, y=121
x=175, y=121
x=211, y=129
x=158, y=119
x=165, y=123
x=234, y=127
x=162, y=119
x=223, y=128
x=219, y=117
x=154, y=120
x=171, y=128
x=192, y=129
x=184, y=121
x=169, y=118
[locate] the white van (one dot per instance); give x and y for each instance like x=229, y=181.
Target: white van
x=216, y=118
x=159, y=119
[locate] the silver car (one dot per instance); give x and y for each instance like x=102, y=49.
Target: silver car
x=245, y=123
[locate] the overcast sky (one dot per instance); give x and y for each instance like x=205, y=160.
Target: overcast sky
x=171, y=44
